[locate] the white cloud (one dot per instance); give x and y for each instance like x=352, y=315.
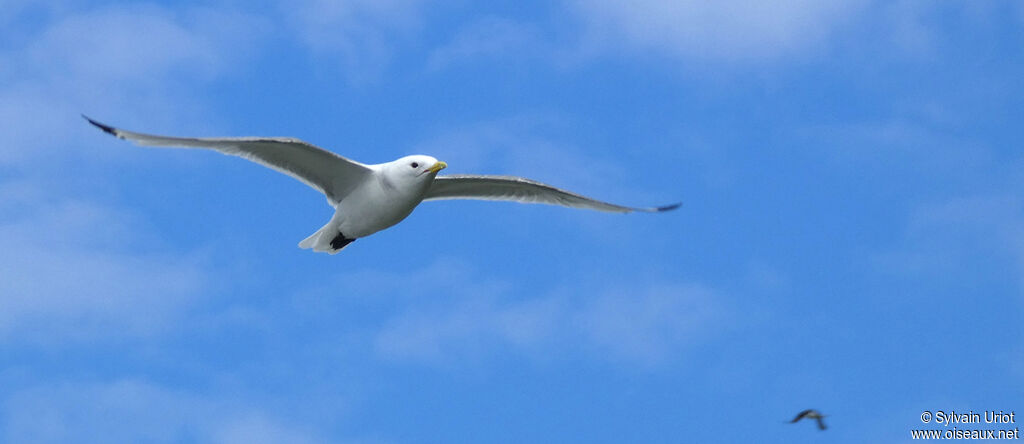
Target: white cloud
x=255, y=428
x=638, y=325
x=140, y=45
x=143, y=45
x=74, y=271
x=946, y=229
x=920, y=142
x=361, y=34
x=726, y=30
x=11, y=10
x=647, y=324
x=906, y=23
x=492, y=38
x=955, y=234
x=119, y=62
x=131, y=411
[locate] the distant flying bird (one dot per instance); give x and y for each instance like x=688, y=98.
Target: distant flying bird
x=811, y=414
x=370, y=198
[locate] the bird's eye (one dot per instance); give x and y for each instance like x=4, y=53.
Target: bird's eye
x=414, y=165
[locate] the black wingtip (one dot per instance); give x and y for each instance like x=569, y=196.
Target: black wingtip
x=106, y=128
x=668, y=207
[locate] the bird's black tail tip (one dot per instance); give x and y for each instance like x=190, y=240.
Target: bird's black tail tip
x=668, y=207
x=340, y=241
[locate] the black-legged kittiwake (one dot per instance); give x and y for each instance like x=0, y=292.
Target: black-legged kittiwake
x=370, y=198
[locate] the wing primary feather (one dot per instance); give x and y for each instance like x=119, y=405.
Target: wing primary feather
x=801, y=415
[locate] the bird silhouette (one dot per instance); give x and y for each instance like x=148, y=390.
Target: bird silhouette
x=811, y=414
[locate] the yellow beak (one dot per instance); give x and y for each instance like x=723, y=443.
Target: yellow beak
x=437, y=167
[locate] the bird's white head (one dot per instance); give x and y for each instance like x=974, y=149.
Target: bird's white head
x=417, y=168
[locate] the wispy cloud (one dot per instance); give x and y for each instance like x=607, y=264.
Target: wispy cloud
x=612, y=321
x=917, y=28
x=141, y=45
x=115, y=61
x=907, y=27
x=917, y=143
x=648, y=324
x=131, y=410
x=723, y=30
x=961, y=234
x=489, y=38
x=75, y=271
x=361, y=35
x=12, y=9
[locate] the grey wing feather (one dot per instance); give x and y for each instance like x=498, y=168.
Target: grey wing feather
x=329, y=173
x=518, y=189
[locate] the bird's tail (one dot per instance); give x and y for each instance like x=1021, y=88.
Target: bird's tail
x=326, y=240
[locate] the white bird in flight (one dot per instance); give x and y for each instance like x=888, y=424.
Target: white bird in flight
x=370, y=198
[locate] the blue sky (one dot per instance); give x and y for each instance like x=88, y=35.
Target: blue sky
x=851, y=237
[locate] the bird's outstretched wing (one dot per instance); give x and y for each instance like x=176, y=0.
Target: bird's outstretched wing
x=518, y=189
x=821, y=423
x=329, y=173
x=801, y=415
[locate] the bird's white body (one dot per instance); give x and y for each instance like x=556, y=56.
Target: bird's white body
x=388, y=195
x=361, y=213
